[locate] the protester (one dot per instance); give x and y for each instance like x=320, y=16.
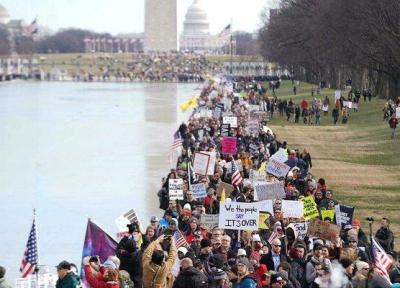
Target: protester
x=3, y=281
x=190, y=276
x=110, y=277
x=66, y=278
x=393, y=124
x=385, y=236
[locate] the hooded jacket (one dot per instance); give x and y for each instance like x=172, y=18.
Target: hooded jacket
x=95, y=283
x=247, y=281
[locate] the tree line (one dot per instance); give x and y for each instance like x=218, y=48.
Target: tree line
x=337, y=40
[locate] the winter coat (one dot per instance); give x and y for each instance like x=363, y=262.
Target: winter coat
x=192, y=278
x=155, y=276
x=247, y=281
x=4, y=283
x=69, y=281
x=268, y=260
x=385, y=238
x=130, y=258
x=95, y=283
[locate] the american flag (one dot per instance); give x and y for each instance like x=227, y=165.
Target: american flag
x=180, y=241
x=31, y=28
x=177, y=141
x=274, y=235
x=382, y=260
x=236, y=176
x=225, y=32
x=30, y=260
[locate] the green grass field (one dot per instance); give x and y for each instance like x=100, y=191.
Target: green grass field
x=359, y=160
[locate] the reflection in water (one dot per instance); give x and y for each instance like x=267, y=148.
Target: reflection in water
x=79, y=150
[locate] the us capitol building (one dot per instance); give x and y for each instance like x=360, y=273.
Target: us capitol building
x=14, y=26
x=196, y=31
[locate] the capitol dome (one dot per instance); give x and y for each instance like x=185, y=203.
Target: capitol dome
x=4, y=16
x=196, y=20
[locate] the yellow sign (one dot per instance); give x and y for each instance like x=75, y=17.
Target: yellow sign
x=191, y=103
x=310, y=210
x=330, y=214
x=263, y=220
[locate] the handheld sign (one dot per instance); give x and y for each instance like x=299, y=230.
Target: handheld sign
x=232, y=120
x=225, y=130
x=200, y=163
x=344, y=215
x=277, y=168
x=310, y=210
x=229, y=145
x=209, y=220
x=175, y=189
x=323, y=230
x=269, y=190
x=292, y=209
x=199, y=190
x=238, y=216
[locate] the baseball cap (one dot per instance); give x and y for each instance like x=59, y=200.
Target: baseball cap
x=183, y=250
x=64, y=265
x=154, y=219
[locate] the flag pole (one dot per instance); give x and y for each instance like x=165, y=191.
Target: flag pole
x=231, y=46
x=189, y=172
x=37, y=261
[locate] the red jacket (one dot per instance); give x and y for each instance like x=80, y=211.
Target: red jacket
x=393, y=123
x=96, y=283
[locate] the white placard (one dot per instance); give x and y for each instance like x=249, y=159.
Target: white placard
x=338, y=94
x=269, y=190
x=238, y=216
x=128, y=218
x=252, y=126
x=175, y=189
x=292, y=209
x=266, y=206
x=277, y=168
x=280, y=156
x=200, y=163
x=199, y=190
x=300, y=229
x=232, y=120
x=256, y=176
x=210, y=220
x=211, y=164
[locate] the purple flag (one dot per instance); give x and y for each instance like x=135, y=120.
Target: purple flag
x=97, y=243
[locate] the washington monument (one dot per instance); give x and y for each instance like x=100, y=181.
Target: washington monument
x=161, y=25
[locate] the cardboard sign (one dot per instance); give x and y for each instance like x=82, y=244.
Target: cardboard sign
x=232, y=120
x=344, y=215
x=209, y=220
x=281, y=155
x=199, y=190
x=238, y=216
x=277, y=168
x=225, y=130
x=338, y=94
x=229, y=145
x=310, y=210
x=323, y=230
x=200, y=163
x=292, y=209
x=225, y=186
x=175, y=189
x=328, y=214
x=269, y=190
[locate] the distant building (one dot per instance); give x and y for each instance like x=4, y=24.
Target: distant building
x=196, y=31
x=4, y=16
x=15, y=27
x=161, y=25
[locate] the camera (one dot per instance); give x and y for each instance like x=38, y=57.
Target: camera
x=370, y=219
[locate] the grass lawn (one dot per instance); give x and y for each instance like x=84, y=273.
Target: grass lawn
x=359, y=161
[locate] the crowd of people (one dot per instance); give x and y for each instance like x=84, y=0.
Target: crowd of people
x=178, y=249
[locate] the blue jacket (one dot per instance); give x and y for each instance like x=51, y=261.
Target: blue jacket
x=247, y=282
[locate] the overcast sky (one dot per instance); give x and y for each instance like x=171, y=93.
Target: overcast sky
x=125, y=16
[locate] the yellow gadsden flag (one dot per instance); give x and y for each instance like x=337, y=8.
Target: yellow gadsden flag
x=191, y=103
x=223, y=196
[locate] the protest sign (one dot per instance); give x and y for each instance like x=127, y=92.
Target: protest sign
x=299, y=229
x=175, y=189
x=225, y=186
x=219, y=108
x=344, y=215
x=238, y=216
x=292, y=209
x=128, y=218
x=205, y=113
x=225, y=130
x=265, y=206
x=232, y=120
x=229, y=145
x=310, y=210
x=199, y=190
x=281, y=155
x=259, y=116
x=264, y=220
x=269, y=190
x=252, y=126
x=254, y=149
x=256, y=176
x=277, y=168
x=338, y=94
x=199, y=133
x=398, y=112
x=200, y=163
x=324, y=230
x=328, y=214
x=211, y=164
x=209, y=220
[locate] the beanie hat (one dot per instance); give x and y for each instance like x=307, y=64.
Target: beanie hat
x=244, y=261
x=205, y=243
x=361, y=265
x=219, y=274
x=109, y=264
